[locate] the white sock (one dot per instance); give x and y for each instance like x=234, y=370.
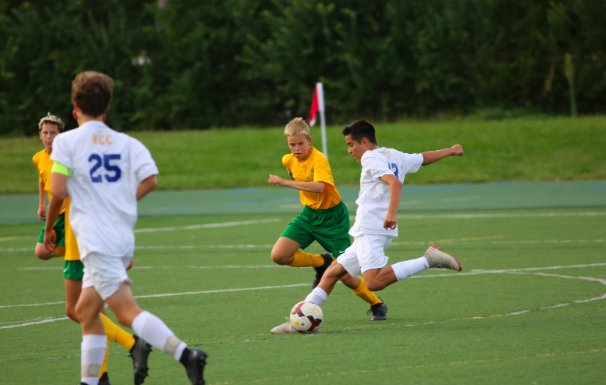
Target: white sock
x=153, y=330
x=317, y=296
x=407, y=269
x=93, y=353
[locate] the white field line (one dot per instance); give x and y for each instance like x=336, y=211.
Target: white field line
x=513, y=271
x=206, y=226
x=495, y=215
x=421, y=243
x=473, y=272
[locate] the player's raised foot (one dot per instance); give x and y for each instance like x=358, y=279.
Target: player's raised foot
x=139, y=353
x=104, y=379
x=321, y=269
x=286, y=327
x=441, y=260
x=379, y=311
x=194, y=364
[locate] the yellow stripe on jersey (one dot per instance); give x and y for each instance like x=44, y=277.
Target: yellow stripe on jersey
x=314, y=169
x=71, y=246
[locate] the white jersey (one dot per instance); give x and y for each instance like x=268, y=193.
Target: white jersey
x=106, y=167
x=373, y=200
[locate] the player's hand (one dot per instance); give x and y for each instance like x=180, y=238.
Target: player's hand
x=274, y=179
x=390, y=222
x=49, y=238
x=129, y=265
x=42, y=212
x=457, y=150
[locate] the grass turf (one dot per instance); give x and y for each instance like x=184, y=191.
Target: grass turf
x=443, y=327
x=508, y=150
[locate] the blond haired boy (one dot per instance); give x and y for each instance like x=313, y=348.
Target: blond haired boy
x=48, y=128
x=324, y=218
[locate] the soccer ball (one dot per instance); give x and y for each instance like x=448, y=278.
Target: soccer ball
x=306, y=317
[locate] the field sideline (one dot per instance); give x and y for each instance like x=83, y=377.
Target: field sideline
x=495, y=151
x=528, y=307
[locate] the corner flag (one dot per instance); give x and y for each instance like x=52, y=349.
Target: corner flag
x=317, y=105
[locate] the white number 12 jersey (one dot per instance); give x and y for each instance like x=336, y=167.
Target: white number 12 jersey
x=373, y=200
x=106, y=167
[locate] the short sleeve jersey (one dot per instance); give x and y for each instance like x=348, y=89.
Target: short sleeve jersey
x=373, y=200
x=42, y=161
x=105, y=169
x=314, y=169
x=43, y=164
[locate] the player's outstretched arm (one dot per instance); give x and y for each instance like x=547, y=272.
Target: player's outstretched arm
x=395, y=193
x=430, y=157
x=315, y=187
x=146, y=186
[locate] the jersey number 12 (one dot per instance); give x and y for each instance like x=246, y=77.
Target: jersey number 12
x=113, y=170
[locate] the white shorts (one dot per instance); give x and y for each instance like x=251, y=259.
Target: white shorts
x=367, y=252
x=105, y=274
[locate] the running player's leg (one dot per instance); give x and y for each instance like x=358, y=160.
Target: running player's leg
x=115, y=290
x=378, y=278
x=94, y=340
x=333, y=236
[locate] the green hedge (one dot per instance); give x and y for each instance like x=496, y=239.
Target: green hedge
x=226, y=63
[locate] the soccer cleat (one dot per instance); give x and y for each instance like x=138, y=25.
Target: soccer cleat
x=104, y=379
x=195, y=366
x=321, y=269
x=139, y=353
x=379, y=311
x=441, y=260
x=286, y=327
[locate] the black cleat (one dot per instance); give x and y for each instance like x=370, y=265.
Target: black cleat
x=379, y=311
x=321, y=269
x=104, y=379
x=139, y=353
x=194, y=365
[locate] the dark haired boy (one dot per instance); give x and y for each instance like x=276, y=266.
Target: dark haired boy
x=383, y=172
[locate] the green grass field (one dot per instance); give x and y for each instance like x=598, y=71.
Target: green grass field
x=527, y=309
x=495, y=151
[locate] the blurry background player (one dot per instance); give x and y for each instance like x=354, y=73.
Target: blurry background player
x=324, y=218
x=382, y=175
x=50, y=126
x=97, y=164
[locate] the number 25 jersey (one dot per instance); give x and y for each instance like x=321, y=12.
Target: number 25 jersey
x=105, y=168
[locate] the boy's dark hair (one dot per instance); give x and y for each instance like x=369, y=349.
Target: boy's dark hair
x=92, y=91
x=360, y=129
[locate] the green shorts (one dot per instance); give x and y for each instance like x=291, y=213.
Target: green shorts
x=73, y=270
x=330, y=228
x=59, y=228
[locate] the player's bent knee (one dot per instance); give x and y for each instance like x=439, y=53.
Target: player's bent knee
x=279, y=259
x=70, y=312
x=42, y=253
x=375, y=284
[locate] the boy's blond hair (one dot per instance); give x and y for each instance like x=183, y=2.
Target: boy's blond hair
x=52, y=119
x=298, y=127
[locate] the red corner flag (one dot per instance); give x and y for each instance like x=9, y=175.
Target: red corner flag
x=317, y=104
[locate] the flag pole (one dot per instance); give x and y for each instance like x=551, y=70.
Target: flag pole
x=320, y=90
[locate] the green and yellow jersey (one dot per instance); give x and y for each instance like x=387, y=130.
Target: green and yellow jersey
x=314, y=169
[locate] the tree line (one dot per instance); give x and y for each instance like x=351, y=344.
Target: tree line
x=181, y=64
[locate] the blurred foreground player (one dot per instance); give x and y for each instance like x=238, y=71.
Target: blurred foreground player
x=105, y=173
